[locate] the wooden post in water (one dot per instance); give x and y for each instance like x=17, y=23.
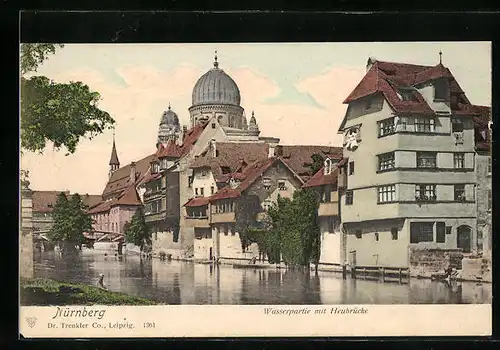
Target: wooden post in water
x=383, y=274
x=400, y=276
x=353, y=271
x=344, y=271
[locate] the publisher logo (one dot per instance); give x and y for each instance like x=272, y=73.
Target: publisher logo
x=31, y=321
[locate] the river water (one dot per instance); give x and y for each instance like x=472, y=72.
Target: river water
x=177, y=282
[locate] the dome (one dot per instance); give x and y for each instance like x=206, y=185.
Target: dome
x=216, y=87
x=170, y=117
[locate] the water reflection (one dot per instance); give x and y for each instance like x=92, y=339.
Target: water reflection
x=187, y=283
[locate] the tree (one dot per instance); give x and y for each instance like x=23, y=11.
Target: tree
x=70, y=222
x=317, y=163
x=60, y=113
x=294, y=229
x=137, y=232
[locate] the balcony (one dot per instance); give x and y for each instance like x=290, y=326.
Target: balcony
x=328, y=209
x=151, y=194
x=197, y=221
x=223, y=217
x=155, y=216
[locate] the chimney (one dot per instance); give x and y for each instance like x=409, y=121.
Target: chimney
x=132, y=172
x=213, y=147
x=370, y=63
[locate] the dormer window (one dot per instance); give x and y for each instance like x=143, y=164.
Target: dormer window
x=204, y=173
x=440, y=90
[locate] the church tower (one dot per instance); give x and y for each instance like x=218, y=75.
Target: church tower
x=114, y=163
x=169, y=128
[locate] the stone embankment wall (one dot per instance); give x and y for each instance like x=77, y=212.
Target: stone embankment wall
x=426, y=262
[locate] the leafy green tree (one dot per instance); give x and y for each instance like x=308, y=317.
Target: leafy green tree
x=137, y=231
x=70, y=222
x=317, y=163
x=294, y=231
x=59, y=113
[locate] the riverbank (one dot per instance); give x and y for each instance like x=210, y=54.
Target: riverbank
x=44, y=292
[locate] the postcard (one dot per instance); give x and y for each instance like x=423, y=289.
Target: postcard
x=242, y=190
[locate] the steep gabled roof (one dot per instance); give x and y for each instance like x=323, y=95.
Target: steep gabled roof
x=298, y=157
x=129, y=197
x=388, y=77
x=120, y=179
x=249, y=175
x=320, y=178
x=230, y=157
x=173, y=150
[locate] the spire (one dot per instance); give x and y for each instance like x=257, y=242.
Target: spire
x=253, y=123
x=169, y=105
x=114, y=156
x=440, y=57
x=216, y=64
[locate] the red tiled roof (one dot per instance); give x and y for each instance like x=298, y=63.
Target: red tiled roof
x=173, y=150
x=298, y=158
x=387, y=77
x=249, y=175
x=320, y=178
x=129, y=197
x=231, y=156
x=102, y=207
x=151, y=177
x=120, y=180
x=197, y=202
x=44, y=201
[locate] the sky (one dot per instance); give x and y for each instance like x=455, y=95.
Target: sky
x=295, y=89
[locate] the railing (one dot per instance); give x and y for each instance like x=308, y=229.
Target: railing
x=155, y=216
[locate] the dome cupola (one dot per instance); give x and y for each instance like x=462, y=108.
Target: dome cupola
x=216, y=87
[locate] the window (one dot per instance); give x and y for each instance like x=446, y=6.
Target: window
x=440, y=232
x=266, y=183
x=376, y=236
x=358, y=234
x=386, y=127
x=351, y=168
x=204, y=172
x=457, y=125
x=421, y=232
x=425, y=192
x=225, y=169
x=458, y=160
x=212, y=189
x=459, y=191
x=282, y=185
x=424, y=124
x=202, y=191
x=394, y=233
x=440, y=90
x=190, y=181
x=349, y=197
x=327, y=194
x=196, y=191
x=226, y=230
x=213, y=125
x=386, y=161
x=448, y=230
x=387, y=194
x=426, y=159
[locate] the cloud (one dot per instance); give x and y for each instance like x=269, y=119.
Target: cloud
x=138, y=102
